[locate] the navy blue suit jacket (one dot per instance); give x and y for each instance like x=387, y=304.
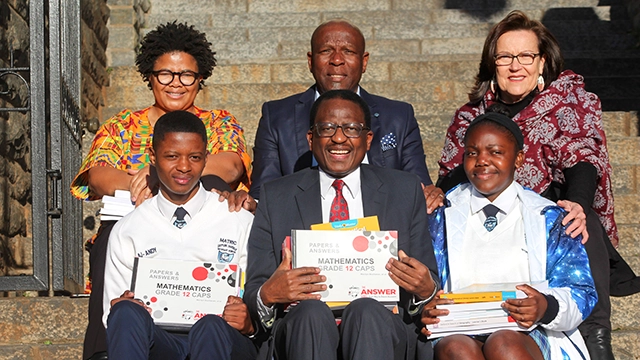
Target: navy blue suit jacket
x=281, y=146
x=293, y=202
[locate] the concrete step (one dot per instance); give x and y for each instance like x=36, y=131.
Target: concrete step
x=303, y=7
x=42, y=328
x=452, y=79
x=43, y=351
x=245, y=33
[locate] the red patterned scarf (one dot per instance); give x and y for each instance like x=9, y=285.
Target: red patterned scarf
x=562, y=127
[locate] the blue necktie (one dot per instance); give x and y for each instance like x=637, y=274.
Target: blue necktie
x=492, y=221
x=180, y=221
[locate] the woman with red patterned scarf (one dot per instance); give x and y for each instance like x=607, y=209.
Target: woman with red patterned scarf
x=567, y=161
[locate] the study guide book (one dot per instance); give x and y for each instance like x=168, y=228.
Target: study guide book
x=353, y=262
x=179, y=293
x=477, y=309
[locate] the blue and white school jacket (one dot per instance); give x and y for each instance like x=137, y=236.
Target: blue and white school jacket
x=553, y=256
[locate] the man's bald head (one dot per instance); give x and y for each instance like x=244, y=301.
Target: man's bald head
x=337, y=58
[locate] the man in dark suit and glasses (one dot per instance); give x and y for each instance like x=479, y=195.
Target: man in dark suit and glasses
x=339, y=139
x=337, y=60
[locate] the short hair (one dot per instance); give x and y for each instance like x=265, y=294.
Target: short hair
x=498, y=121
x=548, y=48
x=179, y=121
x=338, y=21
x=344, y=95
x=172, y=37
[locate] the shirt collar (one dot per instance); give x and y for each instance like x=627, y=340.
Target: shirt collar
x=504, y=201
x=193, y=206
x=318, y=94
x=351, y=184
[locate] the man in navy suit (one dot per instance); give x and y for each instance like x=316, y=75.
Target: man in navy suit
x=337, y=60
x=339, y=139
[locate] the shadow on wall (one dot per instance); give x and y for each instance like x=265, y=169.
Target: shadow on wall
x=481, y=9
x=598, y=43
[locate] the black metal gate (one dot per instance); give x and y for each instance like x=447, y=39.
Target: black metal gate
x=53, y=75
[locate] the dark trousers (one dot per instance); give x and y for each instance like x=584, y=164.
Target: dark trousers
x=599, y=262
x=131, y=334
x=95, y=338
x=368, y=331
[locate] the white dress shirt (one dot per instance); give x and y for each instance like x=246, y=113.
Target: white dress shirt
x=193, y=206
x=351, y=192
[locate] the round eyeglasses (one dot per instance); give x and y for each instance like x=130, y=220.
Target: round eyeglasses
x=165, y=77
x=351, y=130
x=523, y=58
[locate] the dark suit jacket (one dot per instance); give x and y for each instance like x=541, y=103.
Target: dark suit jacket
x=293, y=202
x=281, y=146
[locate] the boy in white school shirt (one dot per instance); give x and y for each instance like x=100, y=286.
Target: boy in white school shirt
x=522, y=240
x=182, y=222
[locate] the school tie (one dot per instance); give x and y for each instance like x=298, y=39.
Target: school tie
x=180, y=221
x=492, y=221
x=339, y=207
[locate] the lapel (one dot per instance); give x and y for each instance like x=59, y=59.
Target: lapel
x=308, y=198
x=375, y=152
x=374, y=194
x=301, y=121
x=535, y=231
x=456, y=217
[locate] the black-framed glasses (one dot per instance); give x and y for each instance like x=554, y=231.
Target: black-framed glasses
x=165, y=77
x=523, y=58
x=351, y=130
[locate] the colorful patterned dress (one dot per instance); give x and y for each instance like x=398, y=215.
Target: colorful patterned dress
x=123, y=143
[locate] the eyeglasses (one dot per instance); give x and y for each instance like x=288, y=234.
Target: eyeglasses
x=523, y=58
x=165, y=77
x=352, y=130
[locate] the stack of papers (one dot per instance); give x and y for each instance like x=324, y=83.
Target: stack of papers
x=480, y=311
x=117, y=206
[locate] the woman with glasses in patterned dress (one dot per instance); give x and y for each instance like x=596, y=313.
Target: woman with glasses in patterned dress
x=521, y=75
x=174, y=59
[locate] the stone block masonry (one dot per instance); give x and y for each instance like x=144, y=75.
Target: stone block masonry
x=15, y=144
x=94, y=39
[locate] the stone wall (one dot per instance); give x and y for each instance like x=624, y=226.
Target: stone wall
x=15, y=143
x=15, y=139
x=127, y=18
x=94, y=38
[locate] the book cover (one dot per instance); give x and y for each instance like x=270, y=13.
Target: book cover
x=179, y=293
x=353, y=262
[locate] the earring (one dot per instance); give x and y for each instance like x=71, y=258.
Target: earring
x=492, y=86
x=540, y=83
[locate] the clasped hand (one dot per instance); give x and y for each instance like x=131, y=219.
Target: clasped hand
x=287, y=285
x=528, y=311
x=411, y=275
x=143, y=183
